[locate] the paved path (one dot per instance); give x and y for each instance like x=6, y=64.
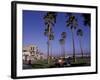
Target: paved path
x=26, y=66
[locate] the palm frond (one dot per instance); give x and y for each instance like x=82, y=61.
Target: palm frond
x=63, y=35
x=79, y=32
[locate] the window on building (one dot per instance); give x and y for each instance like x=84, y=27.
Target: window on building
x=24, y=50
x=31, y=48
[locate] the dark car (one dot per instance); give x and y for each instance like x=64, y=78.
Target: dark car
x=63, y=62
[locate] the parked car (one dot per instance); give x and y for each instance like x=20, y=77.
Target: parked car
x=63, y=62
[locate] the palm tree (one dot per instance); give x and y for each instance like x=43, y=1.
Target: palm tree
x=51, y=38
x=72, y=23
x=80, y=34
x=87, y=19
x=49, y=20
x=63, y=35
x=62, y=42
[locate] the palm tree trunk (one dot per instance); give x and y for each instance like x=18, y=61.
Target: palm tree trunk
x=81, y=48
x=64, y=50
x=74, y=58
x=48, y=43
x=51, y=50
x=60, y=50
x=49, y=46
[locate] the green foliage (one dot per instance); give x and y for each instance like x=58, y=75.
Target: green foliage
x=72, y=22
x=62, y=41
x=63, y=35
x=87, y=19
x=79, y=32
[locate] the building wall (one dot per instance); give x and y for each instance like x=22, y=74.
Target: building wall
x=31, y=53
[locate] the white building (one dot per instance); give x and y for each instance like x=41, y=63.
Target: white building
x=31, y=53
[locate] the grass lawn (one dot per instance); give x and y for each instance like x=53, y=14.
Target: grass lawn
x=42, y=64
x=82, y=62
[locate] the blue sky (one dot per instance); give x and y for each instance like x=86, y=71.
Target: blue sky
x=33, y=32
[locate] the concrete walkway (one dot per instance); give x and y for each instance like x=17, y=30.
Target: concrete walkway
x=26, y=66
